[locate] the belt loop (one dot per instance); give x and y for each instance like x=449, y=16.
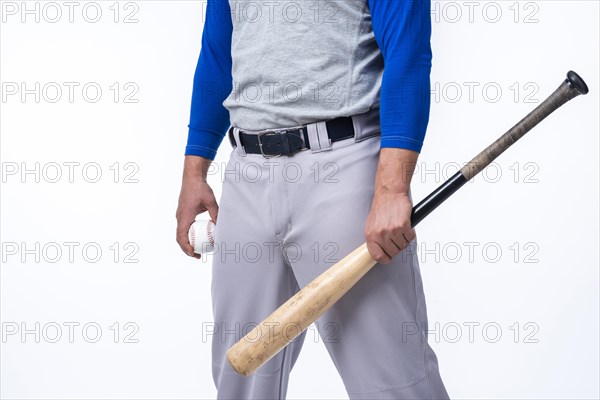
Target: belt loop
x=236, y=136
x=366, y=125
x=319, y=136
x=313, y=137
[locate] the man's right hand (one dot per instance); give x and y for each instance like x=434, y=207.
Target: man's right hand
x=195, y=197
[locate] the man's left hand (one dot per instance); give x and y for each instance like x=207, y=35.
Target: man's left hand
x=388, y=229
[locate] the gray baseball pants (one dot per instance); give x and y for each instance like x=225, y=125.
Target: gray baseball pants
x=282, y=222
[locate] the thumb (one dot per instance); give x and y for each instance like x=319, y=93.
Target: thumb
x=213, y=210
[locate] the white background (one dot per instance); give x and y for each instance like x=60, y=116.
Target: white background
x=541, y=198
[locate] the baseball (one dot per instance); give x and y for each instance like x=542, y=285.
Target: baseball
x=202, y=236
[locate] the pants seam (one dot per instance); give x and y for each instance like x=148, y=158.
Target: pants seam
x=426, y=371
x=424, y=345
x=281, y=396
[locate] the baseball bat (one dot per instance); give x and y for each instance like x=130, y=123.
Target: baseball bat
x=307, y=305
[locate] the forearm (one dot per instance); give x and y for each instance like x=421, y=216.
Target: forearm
x=195, y=167
x=395, y=170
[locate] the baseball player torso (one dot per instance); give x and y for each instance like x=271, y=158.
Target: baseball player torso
x=295, y=62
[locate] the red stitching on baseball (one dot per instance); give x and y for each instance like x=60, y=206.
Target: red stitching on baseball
x=211, y=239
x=193, y=234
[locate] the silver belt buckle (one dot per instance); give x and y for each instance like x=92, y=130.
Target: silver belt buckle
x=267, y=133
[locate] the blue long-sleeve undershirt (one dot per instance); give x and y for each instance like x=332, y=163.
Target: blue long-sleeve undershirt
x=209, y=119
x=402, y=29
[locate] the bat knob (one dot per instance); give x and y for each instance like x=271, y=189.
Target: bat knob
x=576, y=82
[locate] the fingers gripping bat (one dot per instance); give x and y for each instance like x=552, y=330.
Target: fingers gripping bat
x=307, y=305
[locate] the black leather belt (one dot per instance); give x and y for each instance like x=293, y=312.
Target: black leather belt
x=283, y=142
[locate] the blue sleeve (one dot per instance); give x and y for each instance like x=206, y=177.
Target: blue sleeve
x=402, y=29
x=209, y=119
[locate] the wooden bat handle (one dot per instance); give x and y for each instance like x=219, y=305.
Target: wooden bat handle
x=306, y=306
x=570, y=88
